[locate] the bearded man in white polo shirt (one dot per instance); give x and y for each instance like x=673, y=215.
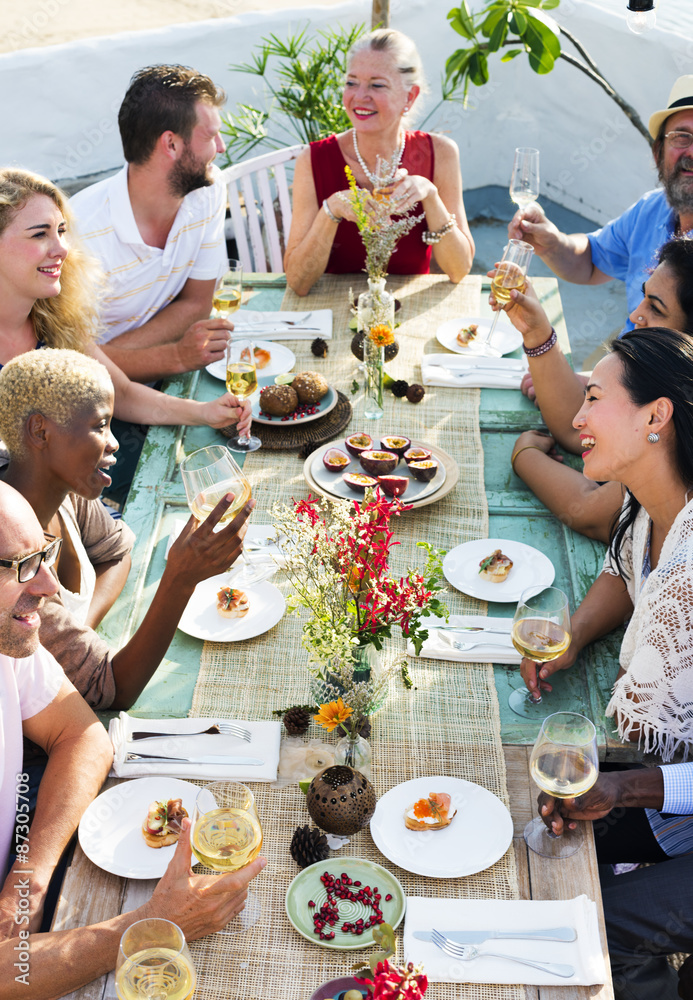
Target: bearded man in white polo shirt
x=157, y=227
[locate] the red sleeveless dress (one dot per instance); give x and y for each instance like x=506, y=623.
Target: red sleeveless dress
x=412, y=255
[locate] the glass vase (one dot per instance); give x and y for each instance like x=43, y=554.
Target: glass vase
x=355, y=751
x=334, y=682
x=376, y=317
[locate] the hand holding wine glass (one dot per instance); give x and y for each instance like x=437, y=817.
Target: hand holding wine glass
x=541, y=632
x=241, y=381
x=510, y=273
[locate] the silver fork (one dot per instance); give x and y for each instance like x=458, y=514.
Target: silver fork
x=282, y=322
x=225, y=728
x=464, y=646
x=467, y=953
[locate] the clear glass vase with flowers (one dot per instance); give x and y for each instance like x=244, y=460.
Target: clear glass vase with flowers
x=353, y=749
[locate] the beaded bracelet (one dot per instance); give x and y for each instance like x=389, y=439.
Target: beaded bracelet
x=436, y=237
x=519, y=451
x=536, y=352
x=329, y=213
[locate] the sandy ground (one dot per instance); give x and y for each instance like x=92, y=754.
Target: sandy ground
x=28, y=23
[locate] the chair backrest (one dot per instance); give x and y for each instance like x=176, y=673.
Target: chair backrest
x=252, y=179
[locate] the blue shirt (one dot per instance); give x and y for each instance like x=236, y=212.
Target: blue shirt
x=673, y=826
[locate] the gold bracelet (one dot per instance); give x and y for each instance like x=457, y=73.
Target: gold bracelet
x=519, y=451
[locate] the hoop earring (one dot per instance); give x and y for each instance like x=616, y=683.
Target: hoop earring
x=652, y=437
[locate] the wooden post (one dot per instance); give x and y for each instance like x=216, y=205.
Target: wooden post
x=381, y=14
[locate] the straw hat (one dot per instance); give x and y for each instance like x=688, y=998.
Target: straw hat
x=680, y=99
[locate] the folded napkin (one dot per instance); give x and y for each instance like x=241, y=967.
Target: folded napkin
x=472, y=371
x=493, y=649
x=584, y=954
x=268, y=325
x=264, y=743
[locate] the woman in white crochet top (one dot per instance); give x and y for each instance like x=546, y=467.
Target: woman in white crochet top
x=636, y=428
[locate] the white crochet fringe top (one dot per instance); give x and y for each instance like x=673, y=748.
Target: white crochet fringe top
x=656, y=690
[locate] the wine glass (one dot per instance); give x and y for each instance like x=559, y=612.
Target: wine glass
x=524, y=182
x=154, y=962
x=511, y=272
x=541, y=631
x=241, y=380
x=226, y=835
x=227, y=297
x=565, y=764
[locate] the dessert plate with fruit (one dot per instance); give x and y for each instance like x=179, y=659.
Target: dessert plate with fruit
x=464, y=333
x=299, y=398
x=270, y=360
x=497, y=569
x=441, y=827
x=243, y=615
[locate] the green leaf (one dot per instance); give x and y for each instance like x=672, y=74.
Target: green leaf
x=510, y=54
x=498, y=35
x=478, y=68
x=543, y=45
x=489, y=24
x=518, y=23
x=457, y=65
x=550, y=4
x=461, y=21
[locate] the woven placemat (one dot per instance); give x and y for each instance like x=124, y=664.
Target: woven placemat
x=291, y=437
x=450, y=724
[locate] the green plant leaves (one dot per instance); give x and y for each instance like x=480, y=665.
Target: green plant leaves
x=461, y=21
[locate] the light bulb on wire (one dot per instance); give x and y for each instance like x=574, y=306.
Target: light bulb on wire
x=640, y=15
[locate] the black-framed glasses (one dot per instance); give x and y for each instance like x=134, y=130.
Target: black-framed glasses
x=679, y=140
x=28, y=566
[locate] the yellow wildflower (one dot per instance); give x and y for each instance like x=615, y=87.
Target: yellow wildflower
x=382, y=334
x=333, y=714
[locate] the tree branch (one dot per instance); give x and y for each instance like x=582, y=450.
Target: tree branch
x=628, y=110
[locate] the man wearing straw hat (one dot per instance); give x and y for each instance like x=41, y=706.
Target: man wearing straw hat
x=626, y=247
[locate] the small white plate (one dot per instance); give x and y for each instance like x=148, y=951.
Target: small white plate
x=505, y=337
x=201, y=619
x=530, y=568
x=110, y=831
x=327, y=403
x=477, y=837
x=333, y=483
x=281, y=360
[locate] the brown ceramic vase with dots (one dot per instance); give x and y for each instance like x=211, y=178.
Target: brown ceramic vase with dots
x=341, y=800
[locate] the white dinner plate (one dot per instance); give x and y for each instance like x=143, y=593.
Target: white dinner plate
x=327, y=403
x=201, y=619
x=281, y=360
x=333, y=483
x=477, y=837
x=505, y=337
x=530, y=568
x=110, y=831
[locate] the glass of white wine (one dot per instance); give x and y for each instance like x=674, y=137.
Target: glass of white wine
x=227, y=297
x=154, y=962
x=565, y=764
x=226, y=835
x=541, y=632
x=241, y=380
x=524, y=181
x=511, y=272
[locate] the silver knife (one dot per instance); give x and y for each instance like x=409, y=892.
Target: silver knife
x=148, y=758
x=470, y=628
x=476, y=937
x=268, y=327
x=472, y=367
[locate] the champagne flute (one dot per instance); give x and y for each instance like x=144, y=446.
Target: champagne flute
x=541, y=631
x=226, y=835
x=564, y=764
x=511, y=272
x=227, y=297
x=154, y=962
x=241, y=380
x=524, y=182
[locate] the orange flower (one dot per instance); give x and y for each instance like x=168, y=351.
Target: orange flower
x=382, y=334
x=333, y=714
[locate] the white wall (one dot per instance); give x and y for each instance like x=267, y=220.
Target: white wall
x=58, y=104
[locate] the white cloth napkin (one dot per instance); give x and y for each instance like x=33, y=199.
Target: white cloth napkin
x=268, y=326
x=264, y=743
x=494, y=649
x=472, y=371
x=584, y=954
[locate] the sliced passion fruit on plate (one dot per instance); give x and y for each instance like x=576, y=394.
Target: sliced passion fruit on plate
x=424, y=471
x=357, y=443
x=335, y=460
x=417, y=455
x=378, y=463
x=397, y=444
x=358, y=482
x=394, y=486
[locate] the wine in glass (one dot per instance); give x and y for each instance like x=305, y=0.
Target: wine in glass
x=564, y=764
x=541, y=632
x=241, y=380
x=227, y=297
x=511, y=272
x=154, y=962
x=226, y=835
x=524, y=182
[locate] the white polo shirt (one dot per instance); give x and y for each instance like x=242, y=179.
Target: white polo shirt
x=141, y=279
x=27, y=686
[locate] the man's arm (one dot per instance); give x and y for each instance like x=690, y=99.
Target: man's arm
x=568, y=256
x=642, y=788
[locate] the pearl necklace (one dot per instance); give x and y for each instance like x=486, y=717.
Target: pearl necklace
x=375, y=180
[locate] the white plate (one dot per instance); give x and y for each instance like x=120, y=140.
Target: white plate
x=505, y=337
x=281, y=360
x=327, y=403
x=110, y=831
x=201, y=619
x=531, y=568
x=478, y=836
x=333, y=483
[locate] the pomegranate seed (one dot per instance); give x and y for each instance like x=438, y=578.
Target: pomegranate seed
x=388, y=897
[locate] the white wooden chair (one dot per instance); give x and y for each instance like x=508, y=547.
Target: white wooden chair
x=261, y=180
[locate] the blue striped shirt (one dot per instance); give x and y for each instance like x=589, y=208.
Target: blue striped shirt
x=673, y=826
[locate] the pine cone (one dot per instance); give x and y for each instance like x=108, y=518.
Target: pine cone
x=308, y=448
x=319, y=348
x=399, y=388
x=415, y=393
x=308, y=846
x=296, y=721
x=365, y=728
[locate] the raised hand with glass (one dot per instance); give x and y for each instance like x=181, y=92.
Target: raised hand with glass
x=510, y=272
x=541, y=632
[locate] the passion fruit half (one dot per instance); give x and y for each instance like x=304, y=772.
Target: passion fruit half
x=335, y=460
x=358, y=482
x=378, y=463
x=416, y=455
x=396, y=444
x=394, y=486
x=424, y=471
x=357, y=443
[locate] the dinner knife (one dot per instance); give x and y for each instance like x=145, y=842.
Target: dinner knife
x=469, y=628
x=464, y=368
x=476, y=937
x=148, y=758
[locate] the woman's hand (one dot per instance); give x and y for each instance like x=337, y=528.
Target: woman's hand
x=537, y=439
x=526, y=313
x=340, y=205
x=410, y=189
x=200, y=552
x=538, y=681
x=225, y=410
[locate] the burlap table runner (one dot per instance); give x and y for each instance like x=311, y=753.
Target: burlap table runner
x=448, y=725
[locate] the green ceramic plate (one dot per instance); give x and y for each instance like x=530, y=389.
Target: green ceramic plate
x=307, y=886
